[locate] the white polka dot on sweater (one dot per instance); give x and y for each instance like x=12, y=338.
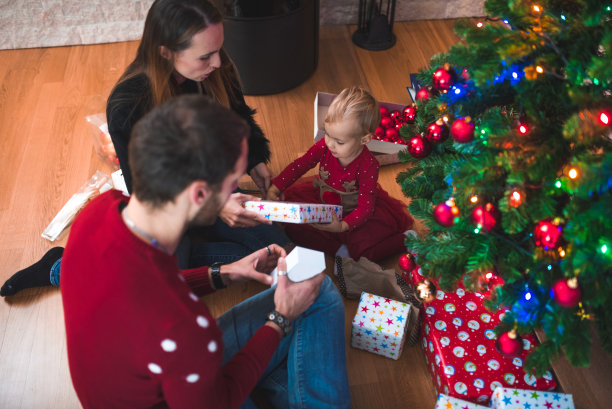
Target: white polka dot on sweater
x=168, y=345
x=202, y=321
x=193, y=297
x=212, y=346
x=192, y=378
x=156, y=369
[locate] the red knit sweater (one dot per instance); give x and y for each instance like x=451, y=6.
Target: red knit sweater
x=137, y=334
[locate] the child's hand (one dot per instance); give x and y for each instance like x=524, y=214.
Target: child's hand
x=273, y=193
x=335, y=226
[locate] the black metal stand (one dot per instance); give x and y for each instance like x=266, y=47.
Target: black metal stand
x=375, y=27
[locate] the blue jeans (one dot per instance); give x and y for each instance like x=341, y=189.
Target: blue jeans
x=308, y=370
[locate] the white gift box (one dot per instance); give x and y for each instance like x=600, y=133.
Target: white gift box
x=380, y=325
x=293, y=212
x=302, y=264
x=448, y=402
x=508, y=398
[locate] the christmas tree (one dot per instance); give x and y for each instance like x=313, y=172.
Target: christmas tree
x=510, y=169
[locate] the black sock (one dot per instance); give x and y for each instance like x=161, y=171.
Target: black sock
x=37, y=275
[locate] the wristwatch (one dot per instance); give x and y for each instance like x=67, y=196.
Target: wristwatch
x=280, y=320
x=215, y=274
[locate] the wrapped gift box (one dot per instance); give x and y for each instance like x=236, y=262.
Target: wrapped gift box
x=289, y=212
x=508, y=398
x=380, y=325
x=448, y=402
x=459, y=341
x=385, y=152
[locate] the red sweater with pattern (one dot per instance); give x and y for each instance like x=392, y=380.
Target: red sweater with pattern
x=137, y=334
x=360, y=175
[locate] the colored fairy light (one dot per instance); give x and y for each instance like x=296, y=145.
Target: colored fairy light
x=536, y=8
x=561, y=252
x=604, y=118
x=549, y=267
x=506, y=21
x=474, y=199
x=573, y=173
x=563, y=17
x=457, y=91
x=514, y=75
x=445, y=118
x=523, y=129
x=604, y=249
x=527, y=296
x=516, y=198
x=596, y=81
x=479, y=25
x=476, y=230
x=489, y=275
x=558, y=184
x=608, y=8
x=539, y=69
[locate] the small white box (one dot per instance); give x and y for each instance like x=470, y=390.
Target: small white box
x=380, y=325
x=293, y=212
x=302, y=264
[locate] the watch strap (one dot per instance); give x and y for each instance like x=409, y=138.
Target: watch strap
x=215, y=274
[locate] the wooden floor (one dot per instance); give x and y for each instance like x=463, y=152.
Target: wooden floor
x=46, y=155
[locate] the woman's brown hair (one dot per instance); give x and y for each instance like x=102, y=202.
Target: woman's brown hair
x=173, y=23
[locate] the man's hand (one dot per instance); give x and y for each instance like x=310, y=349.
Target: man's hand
x=291, y=299
x=256, y=266
x=235, y=215
x=261, y=175
x=335, y=226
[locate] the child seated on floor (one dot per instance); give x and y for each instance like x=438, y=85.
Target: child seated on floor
x=374, y=223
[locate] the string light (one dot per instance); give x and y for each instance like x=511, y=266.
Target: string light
x=573, y=173
x=479, y=24
x=516, y=198
x=527, y=296
x=563, y=17
x=558, y=184
x=539, y=69
x=604, y=249
x=549, y=267
x=523, y=129
x=474, y=199
x=561, y=251
x=536, y=8
x=604, y=118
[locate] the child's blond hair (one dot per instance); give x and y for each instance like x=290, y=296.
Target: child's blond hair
x=358, y=104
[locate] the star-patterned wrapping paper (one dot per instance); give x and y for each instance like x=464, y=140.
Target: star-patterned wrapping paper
x=291, y=212
x=380, y=325
x=508, y=398
x=459, y=343
x=448, y=402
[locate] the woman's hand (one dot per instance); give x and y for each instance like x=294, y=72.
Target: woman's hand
x=235, y=215
x=262, y=177
x=335, y=226
x=256, y=266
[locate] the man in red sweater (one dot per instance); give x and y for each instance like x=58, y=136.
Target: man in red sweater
x=138, y=335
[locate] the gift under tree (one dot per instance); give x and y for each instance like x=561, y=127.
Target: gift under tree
x=510, y=167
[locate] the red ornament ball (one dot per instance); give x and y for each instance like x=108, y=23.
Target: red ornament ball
x=392, y=134
x=445, y=215
x=419, y=147
x=386, y=122
x=410, y=113
x=437, y=132
x=509, y=344
x=399, y=125
x=485, y=217
x=566, y=292
x=462, y=130
x=395, y=115
x=384, y=112
x=547, y=234
x=407, y=262
x=443, y=78
x=379, y=133
x=423, y=94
